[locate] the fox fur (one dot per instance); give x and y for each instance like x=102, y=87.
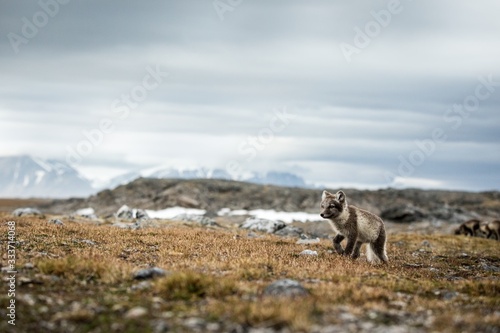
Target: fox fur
x=357, y=225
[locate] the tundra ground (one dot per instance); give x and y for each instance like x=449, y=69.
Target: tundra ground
x=78, y=278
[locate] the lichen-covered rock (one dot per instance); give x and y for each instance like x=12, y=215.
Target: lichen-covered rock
x=286, y=288
x=268, y=226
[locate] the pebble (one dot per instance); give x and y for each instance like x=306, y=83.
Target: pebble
x=308, y=241
x=286, y=287
x=136, y=312
x=309, y=253
x=149, y=273
x=56, y=222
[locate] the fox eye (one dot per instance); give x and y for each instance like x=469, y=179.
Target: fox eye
x=332, y=206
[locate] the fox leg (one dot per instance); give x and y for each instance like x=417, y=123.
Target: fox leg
x=378, y=247
x=336, y=243
x=351, y=243
x=357, y=247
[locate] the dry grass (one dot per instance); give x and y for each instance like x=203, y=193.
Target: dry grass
x=82, y=280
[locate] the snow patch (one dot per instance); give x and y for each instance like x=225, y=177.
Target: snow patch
x=26, y=181
x=287, y=217
x=85, y=211
x=170, y=213
x=39, y=176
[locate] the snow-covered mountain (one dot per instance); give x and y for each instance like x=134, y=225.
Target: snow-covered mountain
x=26, y=176
x=271, y=177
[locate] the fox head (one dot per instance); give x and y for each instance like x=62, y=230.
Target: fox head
x=332, y=205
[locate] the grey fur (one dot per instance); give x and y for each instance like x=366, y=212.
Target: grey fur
x=357, y=225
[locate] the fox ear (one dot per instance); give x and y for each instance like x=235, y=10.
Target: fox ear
x=325, y=194
x=340, y=196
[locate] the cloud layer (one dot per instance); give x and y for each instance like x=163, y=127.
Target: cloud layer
x=357, y=120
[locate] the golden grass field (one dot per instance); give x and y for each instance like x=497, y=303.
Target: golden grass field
x=78, y=278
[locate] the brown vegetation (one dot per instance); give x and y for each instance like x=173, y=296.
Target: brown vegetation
x=78, y=278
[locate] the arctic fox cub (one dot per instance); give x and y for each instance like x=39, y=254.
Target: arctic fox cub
x=357, y=225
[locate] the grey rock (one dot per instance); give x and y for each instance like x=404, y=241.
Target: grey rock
x=194, y=323
x=203, y=220
x=130, y=226
x=149, y=273
x=308, y=241
x=490, y=268
x=26, y=211
x=88, y=213
x=127, y=213
x=143, y=285
x=56, y=222
x=309, y=253
x=403, y=213
x=289, y=231
x=136, y=312
x=264, y=225
x=286, y=288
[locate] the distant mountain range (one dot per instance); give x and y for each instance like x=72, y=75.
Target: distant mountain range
x=27, y=176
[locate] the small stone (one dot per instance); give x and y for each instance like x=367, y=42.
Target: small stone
x=26, y=211
x=194, y=323
x=426, y=243
x=149, y=273
x=308, y=241
x=309, y=253
x=143, y=285
x=490, y=268
x=136, y=312
x=264, y=225
x=287, y=288
x=56, y=222
x=29, y=265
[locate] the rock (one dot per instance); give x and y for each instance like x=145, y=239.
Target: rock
x=149, y=273
x=136, y=312
x=88, y=213
x=131, y=226
x=489, y=268
x=289, y=231
x=143, y=285
x=56, y=222
x=403, y=213
x=127, y=213
x=26, y=211
x=194, y=323
x=308, y=241
x=426, y=243
x=268, y=226
x=286, y=288
x=309, y=253
x=203, y=220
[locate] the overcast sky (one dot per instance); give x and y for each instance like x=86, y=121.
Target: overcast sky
x=367, y=94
